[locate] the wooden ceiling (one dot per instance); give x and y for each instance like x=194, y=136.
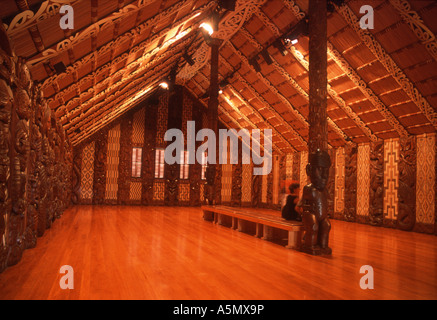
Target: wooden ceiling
x=382, y=81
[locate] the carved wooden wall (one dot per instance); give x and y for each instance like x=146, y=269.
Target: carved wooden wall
x=35, y=160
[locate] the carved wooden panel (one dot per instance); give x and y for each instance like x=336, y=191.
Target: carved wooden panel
x=237, y=171
x=330, y=187
x=289, y=166
x=264, y=189
x=148, y=160
x=303, y=178
x=406, y=216
x=256, y=188
x=425, y=188
x=101, y=150
x=184, y=193
x=350, y=182
x=226, y=190
x=270, y=188
x=158, y=191
x=76, y=173
x=339, y=183
x=278, y=166
x=363, y=182
x=246, y=184
x=391, y=180
x=125, y=164
x=376, y=183
x=112, y=161
x=87, y=173
x=6, y=99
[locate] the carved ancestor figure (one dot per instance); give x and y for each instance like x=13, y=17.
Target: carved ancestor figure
x=209, y=190
x=315, y=205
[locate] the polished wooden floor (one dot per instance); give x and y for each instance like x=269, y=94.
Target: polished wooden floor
x=172, y=253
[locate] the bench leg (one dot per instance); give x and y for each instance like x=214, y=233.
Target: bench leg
x=294, y=239
x=219, y=219
x=208, y=216
x=240, y=225
x=259, y=231
x=267, y=233
x=234, y=223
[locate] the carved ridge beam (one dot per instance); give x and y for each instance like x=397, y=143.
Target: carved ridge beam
x=416, y=24
x=385, y=59
x=339, y=101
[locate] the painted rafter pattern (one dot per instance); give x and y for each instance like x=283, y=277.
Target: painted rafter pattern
x=340, y=102
x=254, y=111
x=264, y=102
x=98, y=26
x=415, y=22
x=393, y=69
x=113, y=90
x=235, y=122
x=349, y=71
x=361, y=84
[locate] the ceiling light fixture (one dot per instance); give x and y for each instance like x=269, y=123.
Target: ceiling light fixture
x=280, y=46
x=207, y=28
x=164, y=85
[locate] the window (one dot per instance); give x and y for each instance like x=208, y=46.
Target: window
x=159, y=163
x=204, y=165
x=136, y=162
x=184, y=165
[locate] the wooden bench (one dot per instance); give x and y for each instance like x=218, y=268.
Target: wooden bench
x=266, y=222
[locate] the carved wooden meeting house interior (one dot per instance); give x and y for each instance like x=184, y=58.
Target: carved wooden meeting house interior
x=340, y=96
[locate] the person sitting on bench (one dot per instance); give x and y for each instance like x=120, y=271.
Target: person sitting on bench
x=289, y=211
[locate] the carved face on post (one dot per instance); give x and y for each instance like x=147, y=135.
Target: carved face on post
x=318, y=169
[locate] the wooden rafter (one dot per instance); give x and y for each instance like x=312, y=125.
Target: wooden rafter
x=416, y=24
x=350, y=73
x=254, y=111
x=267, y=105
x=232, y=119
x=280, y=96
x=339, y=101
x=95, y=28
x=390, y=65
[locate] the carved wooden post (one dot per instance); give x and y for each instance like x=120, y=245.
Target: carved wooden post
x=213, y=109
x=314, y=199
x=318, y=123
